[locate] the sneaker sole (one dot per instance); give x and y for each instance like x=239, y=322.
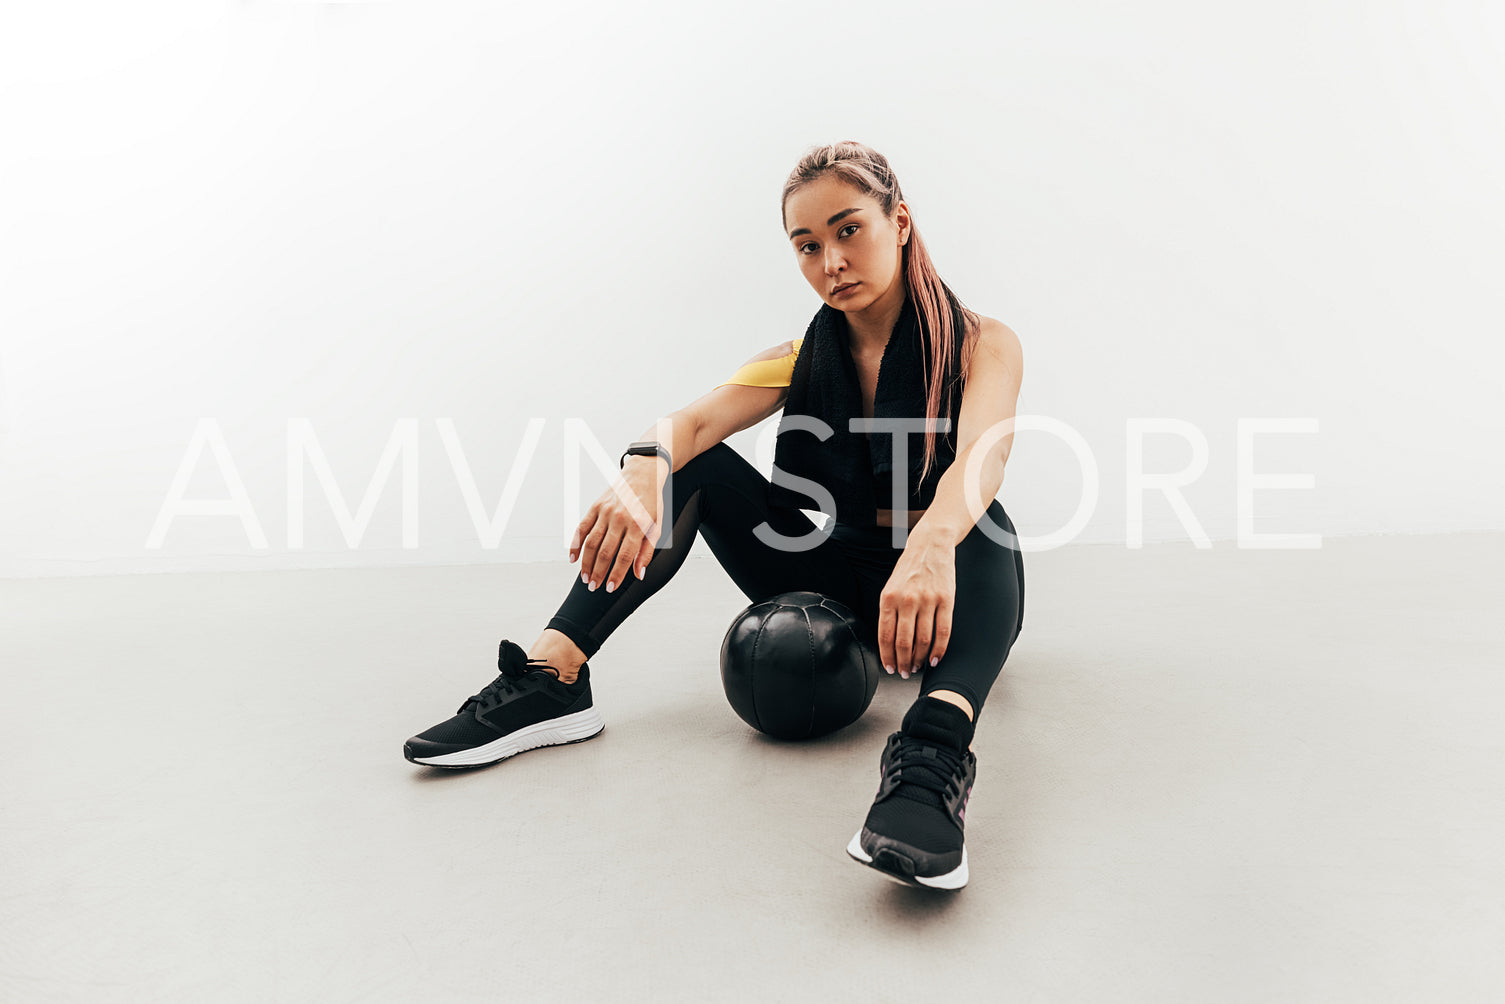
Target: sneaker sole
x=561, y=731
x=893, y=865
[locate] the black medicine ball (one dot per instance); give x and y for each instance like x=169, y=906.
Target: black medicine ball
x=799, y=665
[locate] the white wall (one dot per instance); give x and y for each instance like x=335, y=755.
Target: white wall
x=361, y=213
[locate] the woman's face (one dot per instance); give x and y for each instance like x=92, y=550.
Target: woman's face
x=840, y=236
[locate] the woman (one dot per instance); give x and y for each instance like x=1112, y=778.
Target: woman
x=890, y=340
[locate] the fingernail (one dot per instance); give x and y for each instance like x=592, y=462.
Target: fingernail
x=583, y=578
x=610, y=586
x=888, y=667
x=903, y=676
x=593, y=585
x=934, y=659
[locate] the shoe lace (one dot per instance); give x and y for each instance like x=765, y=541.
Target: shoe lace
x=924, y=770
x=508, y=681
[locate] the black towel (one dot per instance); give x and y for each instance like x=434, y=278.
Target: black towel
x=856, y=467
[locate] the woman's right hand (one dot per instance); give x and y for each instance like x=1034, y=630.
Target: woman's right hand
x=610, y=540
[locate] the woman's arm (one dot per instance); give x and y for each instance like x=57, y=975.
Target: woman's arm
x=729, y=408
x=991, y=397
x=914, y=609
x=686, y=433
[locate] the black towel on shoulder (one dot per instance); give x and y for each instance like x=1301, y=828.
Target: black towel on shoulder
x=856, y=467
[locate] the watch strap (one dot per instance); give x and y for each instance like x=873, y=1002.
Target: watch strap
x=646, y=449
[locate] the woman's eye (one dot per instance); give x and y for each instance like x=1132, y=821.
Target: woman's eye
x=853, y=226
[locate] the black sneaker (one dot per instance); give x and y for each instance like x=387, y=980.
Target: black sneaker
x=523, y=708
x=913, y=834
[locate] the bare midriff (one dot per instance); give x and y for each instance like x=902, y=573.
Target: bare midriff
x=885, y=517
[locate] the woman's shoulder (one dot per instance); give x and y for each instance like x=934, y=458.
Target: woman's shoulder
x=997, y=338
x=773, y=367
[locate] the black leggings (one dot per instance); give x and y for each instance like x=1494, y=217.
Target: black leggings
x=725, y=498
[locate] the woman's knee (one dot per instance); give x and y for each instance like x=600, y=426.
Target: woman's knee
x=986, y=566
x=726, y=481
x=994, y=532
x=714, y=457
x=716, y=465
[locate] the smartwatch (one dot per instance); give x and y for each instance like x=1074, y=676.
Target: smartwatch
x=646, y=449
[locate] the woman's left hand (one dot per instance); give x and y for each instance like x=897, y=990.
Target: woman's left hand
x=914, y=609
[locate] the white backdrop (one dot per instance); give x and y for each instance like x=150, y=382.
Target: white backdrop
x=368, y=221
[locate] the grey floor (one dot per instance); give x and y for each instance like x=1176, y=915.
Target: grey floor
x=1204, y=776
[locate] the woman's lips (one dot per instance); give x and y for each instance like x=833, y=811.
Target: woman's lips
x=843, y=291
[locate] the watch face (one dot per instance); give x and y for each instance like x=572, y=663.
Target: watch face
x=644, y=450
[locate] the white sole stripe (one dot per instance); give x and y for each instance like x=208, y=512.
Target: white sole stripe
x=564, y=729
x=954, y=879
